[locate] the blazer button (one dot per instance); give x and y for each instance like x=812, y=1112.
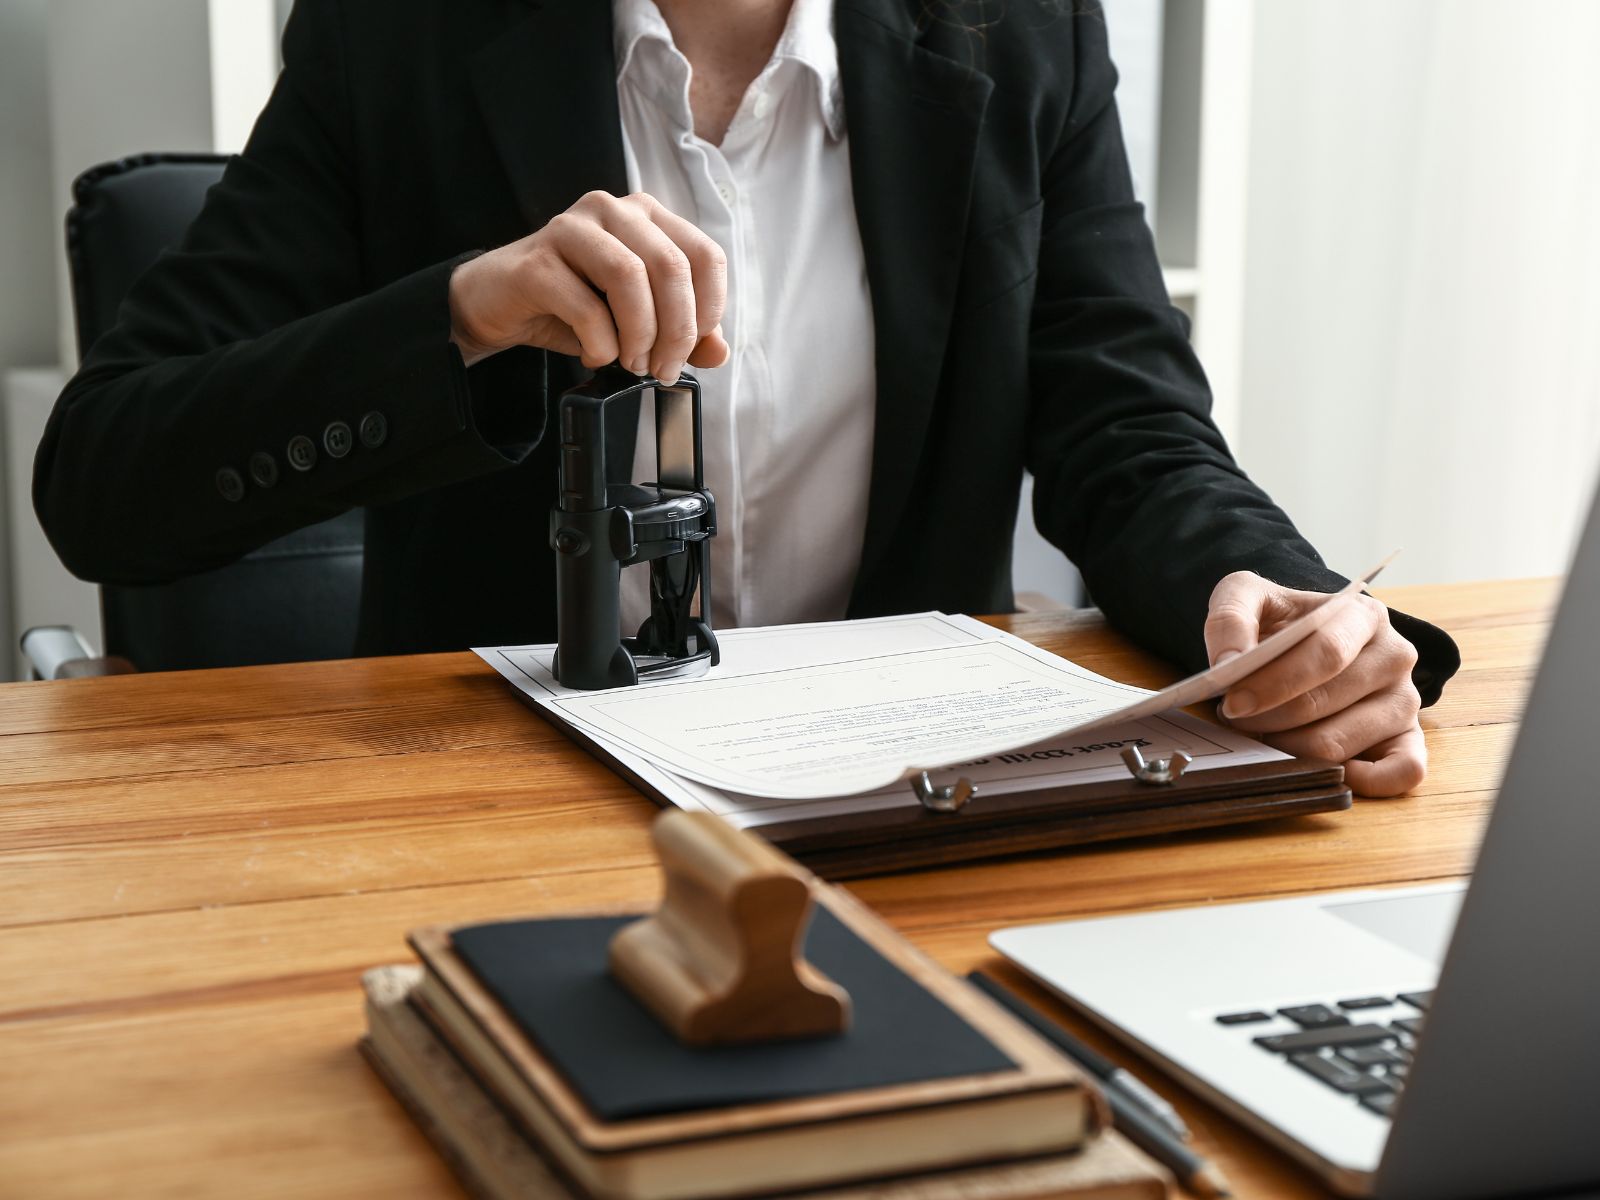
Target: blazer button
x=231, y=484
x=374, y=430
x=337, y=439
x=302, y=453
x=263, y=469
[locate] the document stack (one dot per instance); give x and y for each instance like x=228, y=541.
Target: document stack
x=866, y=746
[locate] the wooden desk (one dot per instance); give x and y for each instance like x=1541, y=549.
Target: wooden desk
x=196, y=868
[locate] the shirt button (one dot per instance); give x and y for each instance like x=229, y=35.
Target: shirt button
x=263, y=469
x=763, y=105
x=374, y=430
x=302, y=453
x=231, y=484
x=725, y=190
x=337, y=439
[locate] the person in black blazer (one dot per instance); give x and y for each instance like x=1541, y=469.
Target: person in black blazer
x=336, y=276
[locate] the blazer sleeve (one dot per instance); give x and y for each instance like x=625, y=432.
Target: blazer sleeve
x=259, y=328
x=1133, y=480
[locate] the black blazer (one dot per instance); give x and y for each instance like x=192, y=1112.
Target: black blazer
x=1021, y=321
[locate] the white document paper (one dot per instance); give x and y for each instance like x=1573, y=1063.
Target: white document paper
x=786, y=724
x=747, y=651
x=840, y=728
x=1061, y=761
x=814, y=712
x=761, y=648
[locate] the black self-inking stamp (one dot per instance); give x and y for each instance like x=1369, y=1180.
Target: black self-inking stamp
x=597, y=528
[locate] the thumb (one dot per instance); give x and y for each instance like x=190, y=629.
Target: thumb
x=711, y=350
x=1233, y=624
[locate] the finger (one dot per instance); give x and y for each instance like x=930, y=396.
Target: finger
x=1390, y=768
x=604, y=261
x=571, y=300
x=711, y=351
x=1384, y=662
x=707, y=262
x=1233, y=618
x=673, y=330
x=1320, y=657
x=1355, y=730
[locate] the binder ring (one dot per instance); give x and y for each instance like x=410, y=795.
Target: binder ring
x=947, y=799
x=1163, y=771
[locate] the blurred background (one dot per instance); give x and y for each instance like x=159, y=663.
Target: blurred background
x=1383, y=216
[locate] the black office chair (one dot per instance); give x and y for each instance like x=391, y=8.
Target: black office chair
x=292, y=600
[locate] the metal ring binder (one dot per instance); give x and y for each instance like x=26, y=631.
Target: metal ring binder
x=947, y=799
x=1161, y=771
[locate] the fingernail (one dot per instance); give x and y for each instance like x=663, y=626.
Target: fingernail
x=640, y=366
x=1226, y=656
x=671, y=373
x=1238, y=704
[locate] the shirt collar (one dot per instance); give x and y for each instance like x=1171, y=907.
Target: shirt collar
x=633, y=22
x=807, y=39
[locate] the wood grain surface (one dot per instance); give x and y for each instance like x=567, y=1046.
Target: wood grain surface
x=196, y=868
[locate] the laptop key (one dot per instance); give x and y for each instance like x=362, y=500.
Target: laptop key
x=1337, y=1075
x=1366, y=1002
x=1314, y=1016
x=1333, y=1036
x=1243, y=1018
x=1381, y=1103
x=1370, y=1056
x=1418, y=999
x=1411, y=1025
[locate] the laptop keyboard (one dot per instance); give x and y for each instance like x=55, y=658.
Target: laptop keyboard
x=1360, y=1047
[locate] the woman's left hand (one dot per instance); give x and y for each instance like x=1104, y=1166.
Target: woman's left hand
x=1343, y=694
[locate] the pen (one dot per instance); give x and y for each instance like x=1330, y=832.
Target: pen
x=1094, y=1062
x=1141, y=1125
x=1086, y=1056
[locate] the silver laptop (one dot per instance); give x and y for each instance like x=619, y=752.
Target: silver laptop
x=1423, y=1043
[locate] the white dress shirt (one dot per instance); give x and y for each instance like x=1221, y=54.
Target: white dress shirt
x=788, y=420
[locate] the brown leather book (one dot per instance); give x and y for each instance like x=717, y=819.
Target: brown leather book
x=489, y=1147
x=930, y=1073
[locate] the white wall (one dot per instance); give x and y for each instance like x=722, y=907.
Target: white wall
x=29, y=228
x=126, y=78
x=1422, y=316
x=243, y=36
x=27, y=251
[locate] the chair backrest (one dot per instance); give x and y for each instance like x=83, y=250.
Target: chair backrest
x=294, y=599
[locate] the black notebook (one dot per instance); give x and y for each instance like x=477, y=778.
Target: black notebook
x=551, y=978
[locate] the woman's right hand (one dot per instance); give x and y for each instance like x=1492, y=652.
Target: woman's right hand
x=612, y=278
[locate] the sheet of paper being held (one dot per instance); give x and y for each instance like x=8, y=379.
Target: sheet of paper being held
x=846, y=727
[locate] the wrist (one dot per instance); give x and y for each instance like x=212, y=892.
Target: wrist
x=464, y=332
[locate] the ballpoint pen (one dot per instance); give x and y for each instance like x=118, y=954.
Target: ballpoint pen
x=1132, y=1113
